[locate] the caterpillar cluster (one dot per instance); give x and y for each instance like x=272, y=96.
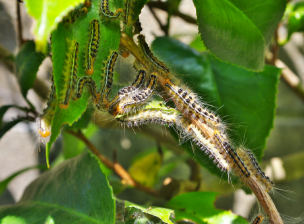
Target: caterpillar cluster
x=190, y=117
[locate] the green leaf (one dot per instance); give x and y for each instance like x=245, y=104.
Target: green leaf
x=140, y=214
x=48, y=13
x=198, y=207
x=7, y=126
x=248, y=98
x=238, y=31
x=5, y=182
x=75, y=191
x=145, y=167
x=79, y=31
x=27, y=64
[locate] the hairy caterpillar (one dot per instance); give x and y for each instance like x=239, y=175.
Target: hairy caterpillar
x=126, y=93
x=149, y=116
x=137, y=100
x=147, y=52
x=104, y=10
x=69, y=74
x=231, y=156
x=258, y=220
x=190, y=105
x=71, y=18
x=92, y=46
x=173, y=117
x=251, y=163
x=45, y=120
x=108, y=76
x=86, y=80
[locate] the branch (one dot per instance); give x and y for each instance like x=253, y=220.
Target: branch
x=113, y=166
x=251, y=181
x=164, y=6
x=291, y=79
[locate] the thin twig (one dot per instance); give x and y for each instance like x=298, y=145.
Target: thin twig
x=164, y=6
x=162, y=27
x=19, y=25
x=114, y=166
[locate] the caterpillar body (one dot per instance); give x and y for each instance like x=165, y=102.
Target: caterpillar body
x=127, y=17
x=258, y=220
x=190, y=105
x=44, y=121
x=71, y=18
x=231, y=156
x=108, y=76
x=126, y=93
x=88, y=81
x=139, y=99
x=147, y=52
x=92, y=46
x=104, y=10
x=69, y=74
x=146, y=116
x=251, y=163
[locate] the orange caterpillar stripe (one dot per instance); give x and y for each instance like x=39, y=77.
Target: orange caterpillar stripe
x=69, y=74
x=92, y=46
x=147, y=52
x=137, y=100
x=251, y=163
x=232, y=157
x=189, y=104
x=258, y=220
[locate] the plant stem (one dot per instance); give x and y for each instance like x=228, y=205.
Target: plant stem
x=113, y=166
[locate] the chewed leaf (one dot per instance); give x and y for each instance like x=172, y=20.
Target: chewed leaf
x=198, y=207
x=140, y=214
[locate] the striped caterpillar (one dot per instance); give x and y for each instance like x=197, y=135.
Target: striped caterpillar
x=138, y=99
x=92, y=46
x=71, y=18
x=108, y=76
x=45, y=120
x=251, y=163
x=231, y=156
x=104, y=10
x=147, y=52
x=69, y=74
x=126, y=93
x=88, y=81
x=190, y=105
x=258, y=220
